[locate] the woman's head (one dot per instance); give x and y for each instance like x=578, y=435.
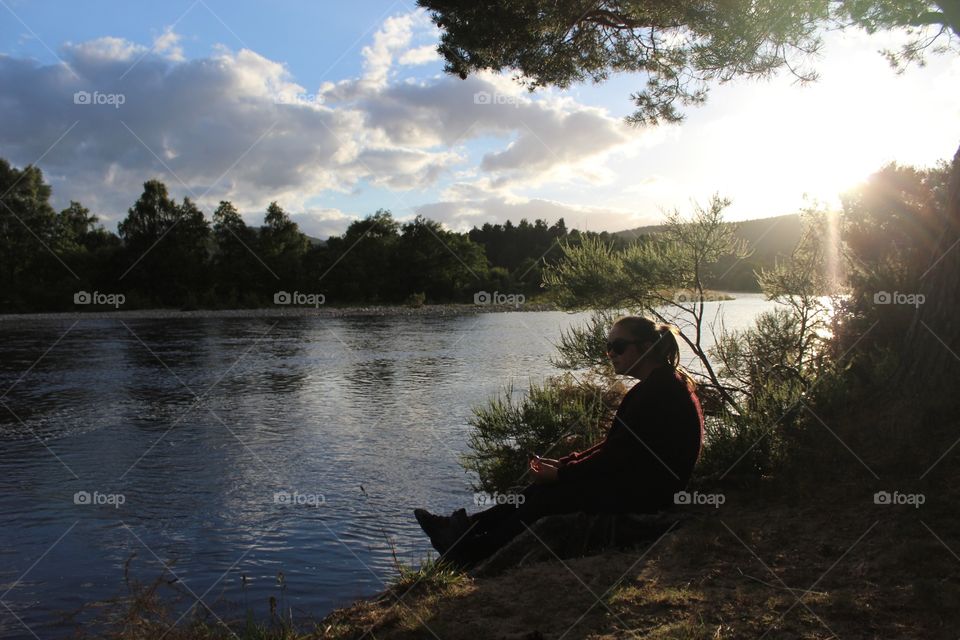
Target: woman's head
x=637, y=345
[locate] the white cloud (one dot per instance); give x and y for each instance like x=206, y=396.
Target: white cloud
x=465, y=204
x=321, y=223
x=209, y=128
x=399, y=168
x=392, y=39
x=217, y=124
x=420, y=55
x=103, y=50
x=169, y=43
x=543, y=136
x=236, y=126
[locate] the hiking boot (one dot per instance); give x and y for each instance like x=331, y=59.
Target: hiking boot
x=460, y=519
x=443, y=531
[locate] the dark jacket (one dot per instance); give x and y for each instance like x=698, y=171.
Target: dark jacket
x=649, y=451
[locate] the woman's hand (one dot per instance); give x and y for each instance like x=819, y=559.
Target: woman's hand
x=543, y=473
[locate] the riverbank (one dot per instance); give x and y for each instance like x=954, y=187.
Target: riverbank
x=282, y=312
x=320, y=311
x=831, y=565
x=766, y=563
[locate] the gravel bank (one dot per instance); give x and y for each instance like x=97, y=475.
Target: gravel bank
x=276, y=312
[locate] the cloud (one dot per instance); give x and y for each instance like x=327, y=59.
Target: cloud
x=322, y=223
x=398, y=168
x=235, y=125
x=102, y=50
x=542, y=135
x=420, y=55
x=556, y=139
x=169, y=43
x=393, y=40
x=475, y=206
x=210, y=128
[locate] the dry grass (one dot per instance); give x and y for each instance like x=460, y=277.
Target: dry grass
x=840, y=566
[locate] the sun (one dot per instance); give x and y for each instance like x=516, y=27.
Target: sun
x=798, y=154
x=785, y=145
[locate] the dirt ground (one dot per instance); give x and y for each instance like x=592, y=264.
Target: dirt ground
x=840, y=564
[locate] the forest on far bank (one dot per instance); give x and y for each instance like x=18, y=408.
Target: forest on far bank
x=170, y=254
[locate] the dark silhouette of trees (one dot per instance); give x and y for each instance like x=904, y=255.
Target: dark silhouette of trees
x=168, y=255
x=28, y=232
x=520, y=250
x=441, y=264
x=235, y=262
x=360, y=264
x=282, y=247
x=166, y=247
x=891, y=231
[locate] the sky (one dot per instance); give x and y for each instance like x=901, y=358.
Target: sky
x=336, y=110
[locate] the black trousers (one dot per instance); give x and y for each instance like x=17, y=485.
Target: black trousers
x=494, y=527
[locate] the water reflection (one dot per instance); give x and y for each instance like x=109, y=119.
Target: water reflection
x=366, y=376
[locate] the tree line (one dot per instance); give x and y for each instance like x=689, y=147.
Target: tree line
x=169, y=254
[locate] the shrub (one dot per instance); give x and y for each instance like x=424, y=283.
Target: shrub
x=552, y=419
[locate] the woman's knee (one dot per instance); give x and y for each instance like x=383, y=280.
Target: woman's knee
x=545, y=499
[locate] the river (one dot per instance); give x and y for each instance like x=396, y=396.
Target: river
x=223, y=451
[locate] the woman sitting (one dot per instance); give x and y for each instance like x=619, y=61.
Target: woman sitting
x=647, y=456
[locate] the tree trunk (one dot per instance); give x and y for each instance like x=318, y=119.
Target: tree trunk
x=931, y=349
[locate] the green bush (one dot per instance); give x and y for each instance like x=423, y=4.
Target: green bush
x=554, y=418
x=774, y=363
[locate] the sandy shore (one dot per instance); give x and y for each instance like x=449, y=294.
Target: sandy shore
x=277, y=312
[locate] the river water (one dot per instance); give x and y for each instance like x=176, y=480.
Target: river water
x=223, y=451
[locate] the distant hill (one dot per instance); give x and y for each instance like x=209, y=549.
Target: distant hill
x=767, y=237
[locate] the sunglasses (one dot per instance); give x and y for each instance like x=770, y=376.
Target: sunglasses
x=619, y=345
